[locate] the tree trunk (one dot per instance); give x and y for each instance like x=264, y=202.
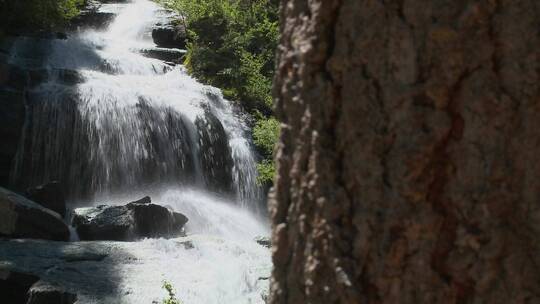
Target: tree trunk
x=409, y=160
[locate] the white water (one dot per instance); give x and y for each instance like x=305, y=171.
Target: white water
x=225, y=265
x=137, y=125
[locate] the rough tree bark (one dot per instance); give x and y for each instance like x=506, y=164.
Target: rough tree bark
x=409, y=160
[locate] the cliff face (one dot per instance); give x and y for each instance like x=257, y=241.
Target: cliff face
x=408, y=167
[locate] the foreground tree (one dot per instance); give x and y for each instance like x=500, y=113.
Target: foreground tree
x=409, y=159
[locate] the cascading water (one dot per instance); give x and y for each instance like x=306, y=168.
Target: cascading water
x=109, y=123
x=131, y=121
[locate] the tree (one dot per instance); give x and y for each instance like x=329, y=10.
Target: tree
x=409, y=159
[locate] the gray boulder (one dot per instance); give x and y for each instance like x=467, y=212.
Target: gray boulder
x=139, y=219
x=50, y=196
x=22, y=218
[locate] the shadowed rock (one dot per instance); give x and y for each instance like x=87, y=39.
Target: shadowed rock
x=170, y=31
x=50, y=196
x=44, y=292
x=14, y=286
x=22, y=218
x=164, y=54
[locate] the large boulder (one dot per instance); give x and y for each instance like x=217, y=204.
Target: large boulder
x=50, y=195
x=170, y=31
x=169, y=36
x=23, y=218
x=139, y=219
x=43, y=292
x=20, y=287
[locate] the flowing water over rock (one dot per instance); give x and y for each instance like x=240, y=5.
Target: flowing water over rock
x=110, y=124
x=128, y=121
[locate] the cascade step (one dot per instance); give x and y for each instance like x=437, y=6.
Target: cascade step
x=164, y=54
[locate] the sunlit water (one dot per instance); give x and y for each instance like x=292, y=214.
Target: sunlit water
x=137, y=126
x=133, y=122
x=224, y=265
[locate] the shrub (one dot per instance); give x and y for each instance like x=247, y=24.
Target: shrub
x=267, y=171
x=232, y=46
x=265, y=136
x=171, y=299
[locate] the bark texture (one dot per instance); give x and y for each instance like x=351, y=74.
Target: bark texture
x=409, y=160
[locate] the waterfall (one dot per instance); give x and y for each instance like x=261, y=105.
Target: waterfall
x=107, y=120
x=112, y=125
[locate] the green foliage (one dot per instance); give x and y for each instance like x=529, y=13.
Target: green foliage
x=232, y=46
x=171, y=299
x=265, y=135
x=37, y=14
x=267, y=171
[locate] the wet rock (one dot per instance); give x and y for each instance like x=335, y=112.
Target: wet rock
x=215, y=153
x=169, y=36
x=50, y=195
x=104, y=223
x=60, y=76
x=164, y=54
x=133, y=221
x=22, y=218
x=170, y=31
x=92, y=19
x=12, y=113
x=187, y=245
x=144, y=200
x=14, y=286
x=264, y=241
x=46, y=293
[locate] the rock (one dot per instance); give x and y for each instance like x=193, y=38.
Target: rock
x=144, y=200
x=92, y=19
x=14, y=286
x=187, y=245
x=46, y=293
x=264, y=241
x=170, y=33
x=164, y=54
x=133, y=221
x=215, y=152
x=22, y=218
x=50, y=196
x=104, y=223
x=12, y=113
